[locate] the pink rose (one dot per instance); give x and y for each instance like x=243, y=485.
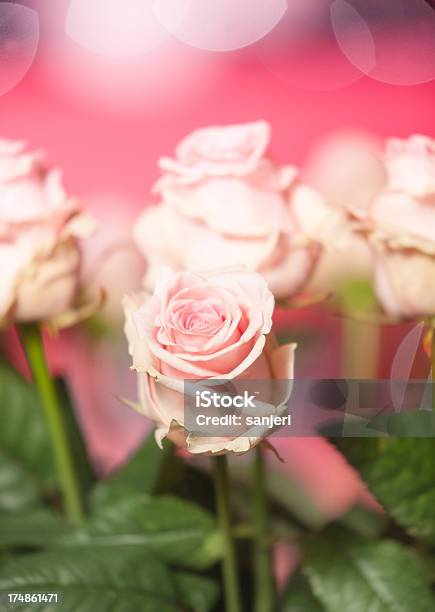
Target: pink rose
x=400, y=224
x=411, y=165
x=223, y=203
x=403, y=213
x=405, y=282
x=347, y=169
x=39, y=226
x=196, y=327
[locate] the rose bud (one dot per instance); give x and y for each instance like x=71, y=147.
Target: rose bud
x=201, y=328
x=39, y=228
x=400, y=224
x=225, y=203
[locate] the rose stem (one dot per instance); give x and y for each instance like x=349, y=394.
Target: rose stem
x=360, y=349
x=229, y=564
x=263, y=576
x=433, y=364
x=31, y=339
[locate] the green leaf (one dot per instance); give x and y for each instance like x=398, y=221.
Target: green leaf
x=17, y=488
x=286, y=492
x=410, y=424
x=196, y=592
x=34, y=528
x=82, y=462
x=138, y=475
x=176, y=530
x=347, y=573
x=364, y=522
x=26, y=469
x=400, y=472
x=298, y=597
x=89, y=581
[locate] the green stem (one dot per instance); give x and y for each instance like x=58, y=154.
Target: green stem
x=229, y=564
x=361, y=362
x=433, y=365
x=361, y=341
x=32, y=342
x=264, y=579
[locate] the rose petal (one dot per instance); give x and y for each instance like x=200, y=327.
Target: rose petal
x=232, y=149
x=404, y=282
x=399, y=214
x=411, y=165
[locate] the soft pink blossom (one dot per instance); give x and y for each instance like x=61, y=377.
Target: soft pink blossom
x=346, y=167
x=411, y=165
x=224, y=203
x=403, y=214
x=405, y=282
x=400, y=225
x=197, y=327
x=39, y=227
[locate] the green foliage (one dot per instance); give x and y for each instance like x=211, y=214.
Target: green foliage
x=175, y=530
x=124, y=556
x=34, y=528
x=88, y=581
x=149, y=542
x=400, y=472
x=348, y=573
x=364, y=522
x=86, y=475
x=298, y=597
x=26, y=471
x=196, y=592
x=139, y=475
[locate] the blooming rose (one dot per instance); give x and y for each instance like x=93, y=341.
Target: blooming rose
x=196, y=327
x=347, y=169
x=405, y=282
x=224, y=203
x=39, y=226
x=401, y=226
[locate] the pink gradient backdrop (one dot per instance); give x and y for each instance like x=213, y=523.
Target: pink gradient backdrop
x=108, y=143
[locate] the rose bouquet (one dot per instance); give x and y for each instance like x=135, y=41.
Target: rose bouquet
x=192, y=519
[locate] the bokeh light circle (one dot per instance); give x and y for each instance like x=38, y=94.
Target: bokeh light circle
x=402, y=33
x=303, y=50
x=219, y=25
x=152, y=83
x=115, y=28
x=19, y=37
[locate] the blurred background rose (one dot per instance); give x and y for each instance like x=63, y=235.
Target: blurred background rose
x=39, y=237
x=224, y=203
x=106, y=119
x=347, y=169
x=399, y=223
